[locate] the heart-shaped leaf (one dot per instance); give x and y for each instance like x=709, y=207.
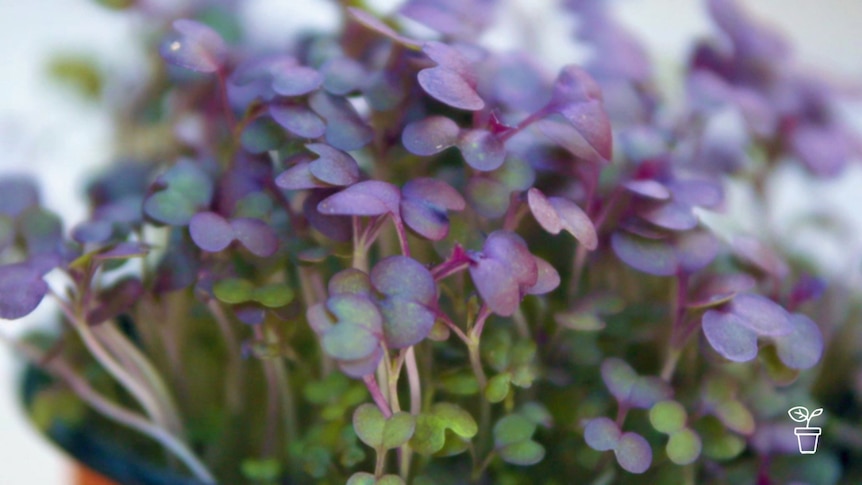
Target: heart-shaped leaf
x=430, y=136
x=21, y=290
x=667, y=416
x=683, y=447
x=298, y=120
x=481, y=149
x=368, y=198
x=210, y=231
x=577, y=97
x=729, y=335
x=333, y=166
x=345, y=129
x=556, y=213
x=424, y=204
x=181, y=192
x=602, y=434
x=523, y=453
x=381, y=433
x=451, y=81
x=803, y=346
x=633, y=453
x=433, y=427
x=194, y=46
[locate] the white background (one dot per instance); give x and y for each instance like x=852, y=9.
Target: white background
x=46, y=132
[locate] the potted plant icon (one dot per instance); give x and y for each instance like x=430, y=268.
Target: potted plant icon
x=807, y=437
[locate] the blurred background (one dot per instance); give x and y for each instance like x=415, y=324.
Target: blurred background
x=50, y=132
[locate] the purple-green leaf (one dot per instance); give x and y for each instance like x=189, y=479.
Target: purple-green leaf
x=430, y=136
x=602, y=434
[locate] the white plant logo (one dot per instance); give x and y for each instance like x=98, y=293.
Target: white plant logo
x=807, y=437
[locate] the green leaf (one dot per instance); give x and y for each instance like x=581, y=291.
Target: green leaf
x=430, y=435
x=369, y=424
x=522, y=453
x=718, y=443
x=513, y=428
x=361, y=478
x=456, y=419
x=233, y=290
x=683, y=447
x=390, y=480
x=537, y=413
x=776, y=370
x=261, y=470
x=398, y=430
x=667, y=416
x=735, y=416
x=274, y=295
x=460, y=384
x=498, y=387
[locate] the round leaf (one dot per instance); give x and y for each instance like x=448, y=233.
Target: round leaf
x=233, y=290
x=650, y=256
x=210, y=231
x=256, y=236
x=803, y=346
x=633, y=453
x=523, y=453
x=513, y=428
x=602, y=434
x=498, y=387
x=683, y=447
x=369, y=424
x=398, y=430
x=430, y=136
x=21, y=290
x=667, y=416
x=729, y=336
x=482, y=150
x=194, y=46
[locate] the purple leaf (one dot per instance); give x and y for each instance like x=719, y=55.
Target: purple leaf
x=648, y=188
x=671, y=215
x=449, y=87
x=368, y=198
x=556, y=213
x=404, y=277
x=703, y=193
x=299, y=176
x=343, y=75
x=424, y=204
x=294, y=80
x=650, y=256
x=256, y=235
x=762, y=257
x=452, y=81
x=298, y=120
x=481, y=149
x=430, y=135
x=337, y=228
x=345, y=129
x=92, y=232
x=210, y=231
x=21, y=290
x=578, y=98
x=17, y=193
x=647, y=391
x=333, y=166
x=462, y=20
x=762, y=315
x=695, y=250
x=405, y=322
x=633, y=453
x=511, y=250
x=378, y=26
x=602, y=434
x=729, y=336
x=548, y=279
x=496, y=285
x=194, y=46
x=803, y=346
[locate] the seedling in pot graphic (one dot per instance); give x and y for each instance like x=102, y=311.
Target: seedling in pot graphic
x=807, y=436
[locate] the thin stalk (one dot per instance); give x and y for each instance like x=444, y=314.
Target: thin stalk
x=138, y=390
x=449, y=323
x=233, y=383
x=272, y=401
x=377, y=395
x=149, y=372
x=60, y=369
